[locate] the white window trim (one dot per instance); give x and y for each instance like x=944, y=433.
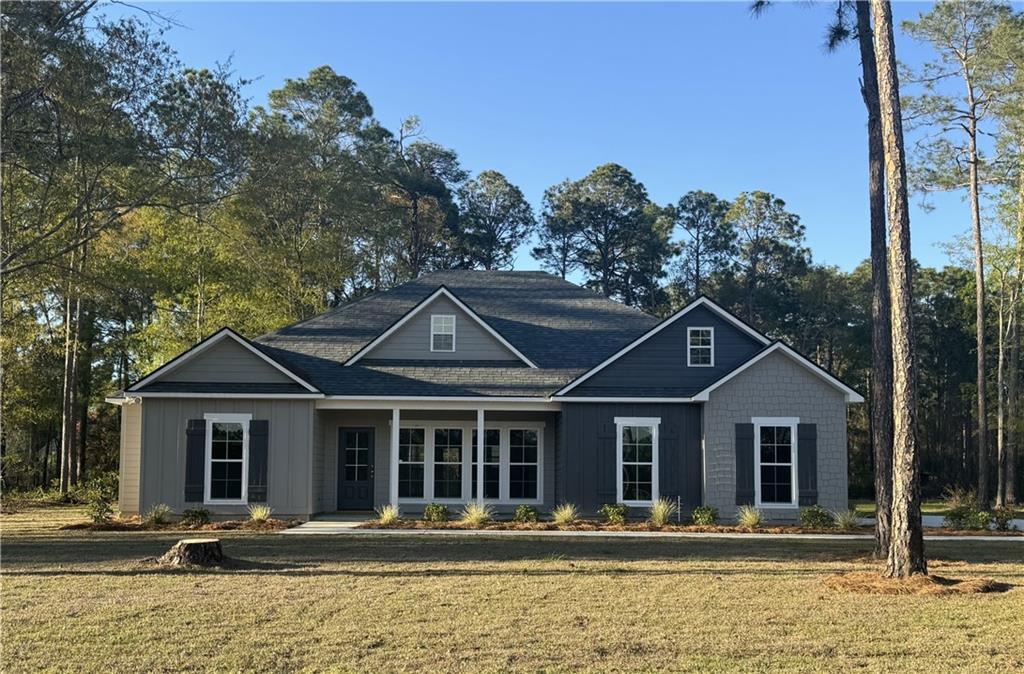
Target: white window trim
x=434, y=331
x=689, y=346
x=217, y=417
x=468, y=451
x=793, y=423
x=653, y=423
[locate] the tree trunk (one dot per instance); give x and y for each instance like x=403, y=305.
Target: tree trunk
x=72, y=311
x=881, y=334
x=1012, y=405
x=1001, y=397
x=906, y=547
x=194, y=552
x=979, y=316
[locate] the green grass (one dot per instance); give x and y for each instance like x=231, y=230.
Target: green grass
x=866, y=508
x=89, y=601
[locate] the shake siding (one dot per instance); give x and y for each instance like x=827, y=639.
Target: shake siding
x=227, y=361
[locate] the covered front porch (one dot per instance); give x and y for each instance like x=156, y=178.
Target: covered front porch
x=502, y=453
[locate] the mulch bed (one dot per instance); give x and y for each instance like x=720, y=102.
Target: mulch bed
x=137, y=524
x=869, y=582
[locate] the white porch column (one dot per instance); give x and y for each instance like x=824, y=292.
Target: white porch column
x=396, y=422
x=480, y=456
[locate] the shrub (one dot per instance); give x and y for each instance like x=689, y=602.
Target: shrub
x=158, y=514
x=816, y=517
x=1003, y=517
x=260, y=513
x=476, y=514
x=958, y=497
x=614, y=513
x=847, y=520
x=565, y=515
x=661, y=512
x=525, y=513
x=388, y=515
x=705, y=515
x=435, y=512
x=195, y=517
x=99, y=508
x=964, y=512
x=750, y=517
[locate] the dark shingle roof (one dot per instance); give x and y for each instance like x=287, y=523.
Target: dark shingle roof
x=563, y=328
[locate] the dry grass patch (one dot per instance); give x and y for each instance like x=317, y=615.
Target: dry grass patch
x=869, y=582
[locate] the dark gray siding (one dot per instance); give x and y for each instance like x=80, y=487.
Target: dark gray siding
x=226, y=361
x=587, y=461
x=657, y=368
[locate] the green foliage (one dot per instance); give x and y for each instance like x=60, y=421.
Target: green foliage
x=565, y=515
x=494, y=219
x=705, y=515
x=847, y=520
x=749, y=517
x=1002, y=518
x=99, y=508
x=816, y=517
x=967, y=516
x=260, y=512
x=158, y=514
x=388, y=515
x=614, y=513
x=195, y=517
x=525, y=514
x=475, y=514
x=662, y=511
x=435, y=512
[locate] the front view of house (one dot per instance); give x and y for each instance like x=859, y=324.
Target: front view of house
x=505, y=387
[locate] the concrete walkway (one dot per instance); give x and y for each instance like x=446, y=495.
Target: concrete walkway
x=348, y=528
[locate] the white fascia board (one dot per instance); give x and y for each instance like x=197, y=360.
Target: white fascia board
x=851, y=395
x=439, y=402
x=215, y=338
x=699, y=302
x=423, y=305
x=621, y=399
x=253, y=396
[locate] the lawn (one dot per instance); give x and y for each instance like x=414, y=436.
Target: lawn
x=88, y=601
x=866, y=508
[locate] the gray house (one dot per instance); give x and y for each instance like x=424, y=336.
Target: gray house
x=508, y=387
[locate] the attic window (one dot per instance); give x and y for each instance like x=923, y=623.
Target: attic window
x=700, y=347
x=442, y=332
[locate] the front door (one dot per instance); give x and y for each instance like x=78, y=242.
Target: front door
x=355, y=468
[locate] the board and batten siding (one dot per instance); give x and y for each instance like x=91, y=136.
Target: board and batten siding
x=412, y=340
x=657, y=367
x=131, y=458
x=290, y=453
x=227, y=361
x=776, y=386
x=588, y=452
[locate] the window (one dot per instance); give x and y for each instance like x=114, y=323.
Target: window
x=411, y=459
x=492, y=463
x=523, y=455
x=700, y=347
x=357, y=456
x=637, y=450
x=442, y=332
x=227, y=457
x=447, y=463
x=775, y=458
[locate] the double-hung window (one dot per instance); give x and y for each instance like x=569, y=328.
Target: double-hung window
x=448, y=463
x=775, y=455
x=227, y=458
x=492, y=464
x=637, y=458
x=411, y=460
x=700, y=347
x=523, y=456
x=442, y=332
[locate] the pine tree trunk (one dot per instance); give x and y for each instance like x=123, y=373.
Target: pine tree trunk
x=1012, y=406
x=906, y=547
x=1001, y=398
x=881, y=335
x=979, y=316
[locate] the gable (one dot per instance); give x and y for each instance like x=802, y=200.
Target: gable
x=226, y=361
x=657, y=367
x=411, y=340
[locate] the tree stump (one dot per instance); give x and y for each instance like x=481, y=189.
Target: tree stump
x=194, y=552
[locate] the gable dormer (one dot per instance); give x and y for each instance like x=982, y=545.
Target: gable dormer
x=441, y=328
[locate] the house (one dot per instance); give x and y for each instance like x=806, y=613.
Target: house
x=510, y=387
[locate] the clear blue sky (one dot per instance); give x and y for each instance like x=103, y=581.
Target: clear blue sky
x=686, y=96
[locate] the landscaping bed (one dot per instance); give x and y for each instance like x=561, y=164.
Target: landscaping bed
x=139, y=524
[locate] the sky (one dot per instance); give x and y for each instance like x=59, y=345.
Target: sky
x=686, y=96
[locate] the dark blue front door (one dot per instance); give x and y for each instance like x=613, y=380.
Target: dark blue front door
x=355, y=468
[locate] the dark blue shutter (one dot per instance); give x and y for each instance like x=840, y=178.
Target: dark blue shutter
x=259, y=440
x=807, y=463
x=195, y=460
x=744, y=464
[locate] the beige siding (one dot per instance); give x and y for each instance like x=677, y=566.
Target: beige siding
x=290, y=456
x=131, y=457
x=412, y=340
x=775, y=387
x=227, y=361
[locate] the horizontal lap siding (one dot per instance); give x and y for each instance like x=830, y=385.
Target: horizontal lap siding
x=131, y=458
x=227, y=361
x=587, y=471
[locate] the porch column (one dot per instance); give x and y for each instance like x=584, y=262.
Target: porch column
x=480, y=456
x=396, y=422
